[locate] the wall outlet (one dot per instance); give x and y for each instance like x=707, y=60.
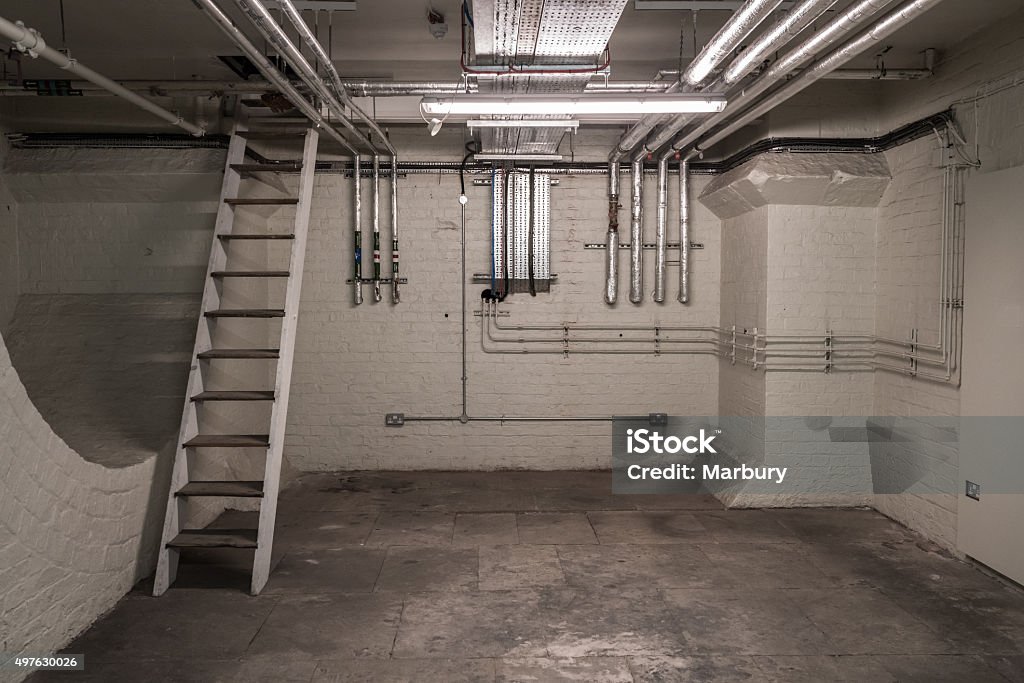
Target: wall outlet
x=973, y=490
x=394, y=419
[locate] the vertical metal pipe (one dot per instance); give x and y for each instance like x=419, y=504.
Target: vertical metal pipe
x=395, y=294
x=660, y=228
x=684, y=231
x=375, y=187
x=357, y=234
x=636, y=237
x=611, y=292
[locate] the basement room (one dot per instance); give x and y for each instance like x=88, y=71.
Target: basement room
x=458, y=341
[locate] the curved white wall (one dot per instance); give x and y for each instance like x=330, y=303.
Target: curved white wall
x=74, y=536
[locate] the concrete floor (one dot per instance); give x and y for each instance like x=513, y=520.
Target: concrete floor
x=453, y=577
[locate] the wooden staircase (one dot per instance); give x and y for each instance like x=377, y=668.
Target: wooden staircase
x=192, y=441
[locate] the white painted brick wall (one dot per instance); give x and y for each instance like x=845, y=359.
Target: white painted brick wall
x=354, y=364
x=73, y=535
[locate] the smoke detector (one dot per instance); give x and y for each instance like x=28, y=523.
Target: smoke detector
x=436, y=24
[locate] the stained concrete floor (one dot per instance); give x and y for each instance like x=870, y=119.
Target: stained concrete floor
x=453, y=577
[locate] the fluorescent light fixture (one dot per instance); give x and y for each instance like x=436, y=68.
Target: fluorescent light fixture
x=517, y=157
x=527, y=123
x=318, y=5
x=656, y=103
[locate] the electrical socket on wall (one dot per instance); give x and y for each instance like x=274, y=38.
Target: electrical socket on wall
x=973, y=490
x=394, y=419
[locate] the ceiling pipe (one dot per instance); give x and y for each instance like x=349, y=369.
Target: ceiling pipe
x=882, y=29
x=269, y=71
x=29, y=40
x=783, y=31
x=728, y=38
x=831, y=33
x=336, y=103
x=775, y=38
x=321, y=55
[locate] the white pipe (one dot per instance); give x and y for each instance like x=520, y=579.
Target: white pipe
x=375, y=185
x=30, y=41
x=269, y=71
x=357, y=225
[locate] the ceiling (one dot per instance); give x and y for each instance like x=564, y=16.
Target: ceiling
x=172, y=39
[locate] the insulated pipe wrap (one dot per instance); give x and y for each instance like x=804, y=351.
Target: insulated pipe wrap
x=662, y=224
x=831, y=33
x=611, y=251
x=876, y=33
x=728, y=38
x=395, y=294
x=611, y=292
x=636, y=237
x=375, y=186
x=684, y=232
x=357, y=198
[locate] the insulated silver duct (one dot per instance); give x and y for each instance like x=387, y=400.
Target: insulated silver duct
x=776, y=36
x=375, y=185
x=31, y=42
x=395, y=294
x=611, y=291
x=771, y=40
x=269, y=71
x=636, y=237
x=662, y=224
x=357, y=210
x=728, y=38
x=684, y=231
x=882, y=29
x=831, y=33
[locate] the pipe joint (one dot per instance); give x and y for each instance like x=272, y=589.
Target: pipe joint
x=31, y=41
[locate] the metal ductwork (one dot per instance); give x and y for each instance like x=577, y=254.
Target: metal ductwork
x=538, y=33
x=831, y=33
x=661, y=225
x=684, y=232
x=774, y=38
x=728, y=38
x=611, y=292
x=882, y=29
x=636, y=235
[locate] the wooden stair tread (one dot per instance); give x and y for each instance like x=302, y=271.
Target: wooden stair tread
x=253, y=236
x=248, y=395
x=229, y=441
x=246, y=313
x=239, y=353
x=257, y=201
x=233, y=489
x=269, y=135
x=214, y=538
x=285, y=167
x=250, y=273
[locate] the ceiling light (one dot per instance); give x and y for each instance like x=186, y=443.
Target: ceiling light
x=434, y=126
x=528, y=123
x=658, y=103
x=517, y=157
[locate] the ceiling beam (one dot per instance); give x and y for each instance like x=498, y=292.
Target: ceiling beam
x=731, y=5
